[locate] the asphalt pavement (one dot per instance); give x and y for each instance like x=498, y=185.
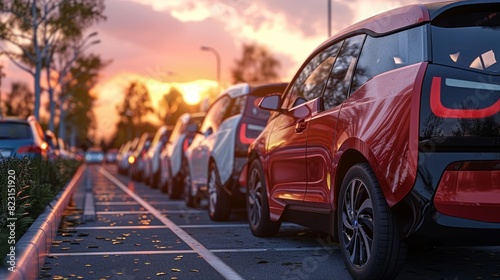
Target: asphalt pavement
x=119, y=229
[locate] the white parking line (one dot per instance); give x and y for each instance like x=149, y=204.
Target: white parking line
x=147, y=212
x=120, y=203
x=225, y=270
x=117, y=227
x=160, y=227
x=254, y=250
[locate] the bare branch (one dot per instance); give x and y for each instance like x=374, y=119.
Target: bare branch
x=13, y=60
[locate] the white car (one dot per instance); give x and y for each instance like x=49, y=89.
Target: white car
x=152, y=159
x=174, y=174
x=218, y=153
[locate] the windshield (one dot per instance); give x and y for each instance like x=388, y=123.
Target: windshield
x=467, y=38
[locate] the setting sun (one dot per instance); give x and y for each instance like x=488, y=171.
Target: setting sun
x=191, y=93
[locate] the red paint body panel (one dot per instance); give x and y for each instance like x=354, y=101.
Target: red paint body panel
x=376, y=121
x=320, y=152
x=470, y=194
x=286, y=167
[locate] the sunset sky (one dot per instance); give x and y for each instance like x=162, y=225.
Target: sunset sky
x=158, y=41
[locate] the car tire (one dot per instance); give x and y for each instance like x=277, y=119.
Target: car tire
x=165, y=186
x=155, y=179
x=186, y=185
x=174, y=189
x=258, y=213
x=363, y=214
x=219, y=203
x=147, y=178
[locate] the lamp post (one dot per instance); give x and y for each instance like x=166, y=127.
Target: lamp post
x=217, y=57
x=2, y=75
x=329, y=18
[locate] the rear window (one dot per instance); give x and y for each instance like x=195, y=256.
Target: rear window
x=467, y=37
x=10, y=130
x=382, y=54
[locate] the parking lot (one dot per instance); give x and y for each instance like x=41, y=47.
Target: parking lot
x=120, y=229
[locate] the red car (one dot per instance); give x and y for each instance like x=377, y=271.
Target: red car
x=388, y=134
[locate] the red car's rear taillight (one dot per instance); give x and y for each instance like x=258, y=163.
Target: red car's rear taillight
x=442, y=111
x=243, y=135
x=185, y=144
x=29, y=149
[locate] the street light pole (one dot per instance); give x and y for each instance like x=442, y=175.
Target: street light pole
x=2, y=74
x=329, y=18
x=217, y=57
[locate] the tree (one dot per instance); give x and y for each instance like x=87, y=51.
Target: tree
x=19, y=102
x=76, y=99
x=134, y=109
x=172, y=106
x=255, y=65
x=31, y=29
x=58, y=67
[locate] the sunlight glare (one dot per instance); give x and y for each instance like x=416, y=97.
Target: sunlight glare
x=191, y=93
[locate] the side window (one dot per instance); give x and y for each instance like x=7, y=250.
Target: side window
x=386, y=53
x=216, y=114
x=339, y=81
x=311, y=80
x=238, y=106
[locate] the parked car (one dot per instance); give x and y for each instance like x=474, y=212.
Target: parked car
x=22, y=137
x=136, y=159
x=94, y=155
x=388, y=134
x=125, y=158
x=152, y=157
x=53, y=149
x=218, y=153
x=173, y=160
x=63, y=150
x=111, y=155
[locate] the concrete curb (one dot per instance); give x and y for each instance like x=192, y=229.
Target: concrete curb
x=34, y=246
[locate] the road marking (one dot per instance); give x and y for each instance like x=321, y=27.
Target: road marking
x=122, y=253
x=146, y=212
x=119, y=203
x=117, y=227
x=225, y=270
x=110, y=203
x=255, y=250
x=89, y=208
x=159, y=227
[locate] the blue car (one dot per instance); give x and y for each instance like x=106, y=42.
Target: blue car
x=22, y=137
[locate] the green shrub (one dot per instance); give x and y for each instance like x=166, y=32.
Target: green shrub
x=37, y=182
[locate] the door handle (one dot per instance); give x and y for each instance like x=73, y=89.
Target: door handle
x=300, y=126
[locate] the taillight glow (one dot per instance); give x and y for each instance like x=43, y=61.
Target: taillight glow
x=131, y=159
x=440, y=110
x=243, y=135
x=29, y=149
x=474, y=165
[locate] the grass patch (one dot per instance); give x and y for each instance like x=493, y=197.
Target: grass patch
x=36, y=183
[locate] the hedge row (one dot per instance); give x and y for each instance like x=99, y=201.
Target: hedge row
x=32, y=184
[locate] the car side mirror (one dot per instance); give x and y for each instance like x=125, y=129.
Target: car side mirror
x=208, y=132
x=271, y=103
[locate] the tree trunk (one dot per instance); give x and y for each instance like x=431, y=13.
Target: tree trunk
x=52, y=103
x=62, y=123
x=38, y=62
